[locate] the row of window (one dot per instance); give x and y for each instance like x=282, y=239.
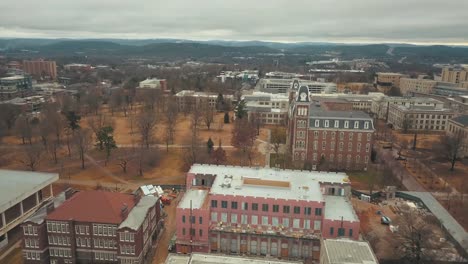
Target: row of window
x=127, y=237
x=341, y=134
x=60, y=252
x=275, y=208
x=104, y=243
x=30, y=230
x=104, y=230
x=81, y=230
x=341, y=232
x=127, y=250
x=231, y=245
x=105, y=256
x=33, y=255
x=31, y=243
x=326, y=124
x=59, y=240
x=57, y=227
x=128, y=261
x=192, y=232
x=192, y=219
x=264, y=220
x=340, y=146
x=83, y=242
x=340, y=158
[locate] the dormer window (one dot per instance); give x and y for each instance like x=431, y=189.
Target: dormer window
x=317, y=123
x=326, y=123
x=356, y=124
x=346, y=124
x=366, y=125
x=337, y=123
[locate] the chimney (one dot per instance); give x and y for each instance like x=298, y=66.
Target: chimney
x=124, y=210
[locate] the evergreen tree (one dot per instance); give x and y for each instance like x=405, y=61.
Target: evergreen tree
x=73, y=120
x=226, y=118
x=210, y=145
x=105, y=140
x=240, y=110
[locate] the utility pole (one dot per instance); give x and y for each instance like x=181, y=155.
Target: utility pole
x=191, y=237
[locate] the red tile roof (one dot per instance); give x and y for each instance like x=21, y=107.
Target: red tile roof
x=94, y=206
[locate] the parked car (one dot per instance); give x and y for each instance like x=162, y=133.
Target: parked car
x=385, y=220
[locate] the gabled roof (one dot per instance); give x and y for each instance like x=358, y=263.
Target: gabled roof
x=95, y=207
x=138, y=214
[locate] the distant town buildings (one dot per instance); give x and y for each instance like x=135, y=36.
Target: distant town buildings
x=458, y=126
x=187, y=100
x=282, y=86
x=328, y=139
x=30, y=104
x=380, y=105
x=153, y=83
x=245, y=76
x=270, y=109
x=263, y=211
x=41, y=69
x=14, y=86
x=93, y=227
x=342, y=251
x=456, y=74
x=415, y=117
x=21, y=194
x=384, y=81
x=408, y=86
x=77, y=67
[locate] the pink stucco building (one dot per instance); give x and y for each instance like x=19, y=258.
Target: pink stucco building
x=263, y=211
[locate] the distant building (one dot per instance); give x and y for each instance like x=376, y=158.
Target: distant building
x=250, y=76
x=263, y=211
x=30, y=104
x=342, y=251
x=419, y=117
x=153, y=83
x=271, y=109
x=41, y=68
x=282, y=75
x=450, y=89
x=359, y=102
x=459, y=125
x=188, y=99
x=77, y=67
x=380, y=105
x=408, y=86
x=14, y=86
x=21, y=194
x=93, y=227
x=354, y=87
x=282, y=86
x=328, y=140
x=384, y=81
x=197, y=258
x=455, y=74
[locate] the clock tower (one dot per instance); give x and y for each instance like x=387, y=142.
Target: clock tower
x=299, y=124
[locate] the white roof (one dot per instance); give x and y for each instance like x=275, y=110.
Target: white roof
x=343, y=251
x=339, y=208
x=148, y=189
x=197, y=197
x=267, y=182
x=15, y=77
x=138, y=213
x=18, y=185
x=216, y=259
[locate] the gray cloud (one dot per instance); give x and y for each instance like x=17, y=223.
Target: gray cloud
x=416, y=21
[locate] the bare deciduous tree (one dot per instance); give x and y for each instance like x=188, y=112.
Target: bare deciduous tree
x=208, y=115
x=83, y=141
x=24, y=129
x=146, y=121
x=278, y=137
x=31, y=156
x=171, y=119
x=451, y=146
x=243, y=137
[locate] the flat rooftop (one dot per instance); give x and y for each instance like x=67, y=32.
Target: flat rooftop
x=338, y=208
x=16, y=186
x=217, y=259
x=343, y=251
x=197, y=197
x=268, y=182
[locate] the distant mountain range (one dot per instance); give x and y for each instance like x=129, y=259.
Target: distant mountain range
x=179, y=48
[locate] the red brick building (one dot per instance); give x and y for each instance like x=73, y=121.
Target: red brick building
x=328, y=140
x=41, y=68
x=92, y=227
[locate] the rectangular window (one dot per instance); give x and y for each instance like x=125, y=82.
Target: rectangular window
x=254, y=220
x=306, y=224
x=245, y=206
x=234, y=218
x=307, y=210
x=244, y=219
x=200, y=220
x=274, y=221
x=318, y=211
x=265, y=207
x=224, y=204
x=350, y=233
x=286, y=222
x=332, y=231
x=233, y=205
x=224, y=217
x=341, y=232
x=296, y=223
x=264, y=220
x=255, y=207
x=297, y=209
x=275, y=208
x=286, y=209
x=183, y=219
x=214, y=203
x=317, y=224
x=200, y=232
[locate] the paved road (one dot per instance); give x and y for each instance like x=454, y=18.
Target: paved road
x=410, y=183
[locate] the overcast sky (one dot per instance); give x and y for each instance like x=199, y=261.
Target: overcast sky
x=413, y=21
